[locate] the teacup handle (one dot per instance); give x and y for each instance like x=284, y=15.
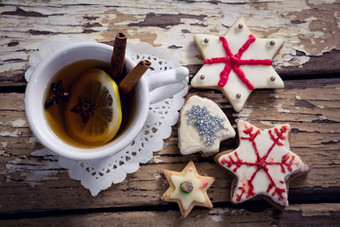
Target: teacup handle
x=158, y=83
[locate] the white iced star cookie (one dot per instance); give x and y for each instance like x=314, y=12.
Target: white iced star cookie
x=237, y=63
x=187, y=188
x=262, y=164
x=203, y=125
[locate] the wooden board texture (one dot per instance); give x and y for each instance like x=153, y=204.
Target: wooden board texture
x=35, y=190
x=309, y=28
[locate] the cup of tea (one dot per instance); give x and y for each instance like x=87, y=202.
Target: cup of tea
x=70, y=60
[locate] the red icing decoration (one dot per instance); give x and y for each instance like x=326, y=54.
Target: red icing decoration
x=204, y=183
x=233, y=62
x=261, y=163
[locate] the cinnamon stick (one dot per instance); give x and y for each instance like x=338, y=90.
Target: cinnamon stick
x=132, y=78
x=118, y=57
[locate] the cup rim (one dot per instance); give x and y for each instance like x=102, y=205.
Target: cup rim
x=46, y=136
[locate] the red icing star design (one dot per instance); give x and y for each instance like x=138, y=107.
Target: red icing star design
x=262, y=163
x=233, y=62
x=237, y=63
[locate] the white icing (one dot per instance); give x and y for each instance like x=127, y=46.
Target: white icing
x=246, y=153
x=189, y=139
x=258, y=75
x=196, y=194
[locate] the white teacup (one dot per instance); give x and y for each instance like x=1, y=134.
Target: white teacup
x=148, y=90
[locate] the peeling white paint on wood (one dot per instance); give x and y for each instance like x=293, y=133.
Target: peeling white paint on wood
x=3, y=150
x=309, y=211
x=276, y=96
x=267, y=123
x=3, y=153
x=157, y=159
x=216, y=218
x=322, y=117
x=157, y=176
x=15, y=133
x=304, y=29
x=18, y=123
x=35, y=169
x=280, y=109
x=317, y=2
x=33, y=140
x=243, y=114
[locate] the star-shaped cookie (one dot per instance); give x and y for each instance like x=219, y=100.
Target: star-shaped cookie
x=262, y=164
x=187, y=188
x=203, y=125
x=237, y=63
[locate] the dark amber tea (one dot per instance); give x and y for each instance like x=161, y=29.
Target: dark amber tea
x=88, y=111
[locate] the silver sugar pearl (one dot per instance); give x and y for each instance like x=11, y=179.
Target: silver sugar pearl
x=272, y=78
x=238, y=95
x=272, y=43
x=206, y=40
x=240, y=26
x=202, y=77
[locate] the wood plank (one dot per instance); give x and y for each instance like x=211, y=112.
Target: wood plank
x=296, y=215
x=308, y=31
x=36, y=191
x=29, y=176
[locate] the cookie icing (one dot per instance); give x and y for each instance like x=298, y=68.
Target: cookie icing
x=187, y=188
x=196, y=194
x=262, y=163
x=237, y=63
x=190, y=139
x=233, y=62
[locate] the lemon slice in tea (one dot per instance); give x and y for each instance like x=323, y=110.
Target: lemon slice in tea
x=93, y=114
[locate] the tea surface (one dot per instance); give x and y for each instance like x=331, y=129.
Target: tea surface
x=69, y=75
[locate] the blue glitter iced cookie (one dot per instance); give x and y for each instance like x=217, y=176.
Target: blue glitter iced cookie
x=203, y=125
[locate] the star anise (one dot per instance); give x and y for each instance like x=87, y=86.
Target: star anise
x=85, y=108
x=57, y=92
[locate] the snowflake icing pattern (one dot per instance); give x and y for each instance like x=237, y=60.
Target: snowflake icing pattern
x=287, y=161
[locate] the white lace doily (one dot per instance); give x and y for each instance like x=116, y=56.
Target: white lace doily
x=100, y=174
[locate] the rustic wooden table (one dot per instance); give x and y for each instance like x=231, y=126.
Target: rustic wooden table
x=35, y=191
